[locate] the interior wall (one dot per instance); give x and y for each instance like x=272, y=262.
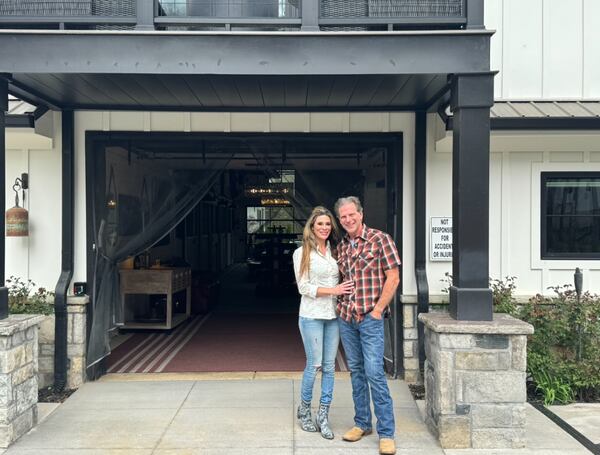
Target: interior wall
x=517, y=160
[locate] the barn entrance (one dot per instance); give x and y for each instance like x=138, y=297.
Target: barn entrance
x=192, y=239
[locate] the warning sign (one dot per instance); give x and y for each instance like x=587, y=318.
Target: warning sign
x=441, y=239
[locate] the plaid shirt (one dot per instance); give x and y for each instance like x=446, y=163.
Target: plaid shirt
x=365, y=264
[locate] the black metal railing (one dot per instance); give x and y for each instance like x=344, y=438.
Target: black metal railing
x=242, y=14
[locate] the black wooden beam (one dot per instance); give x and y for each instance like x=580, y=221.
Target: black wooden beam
x=540, y=123
x=249, y=53
x=471, y=99
x=19, y=121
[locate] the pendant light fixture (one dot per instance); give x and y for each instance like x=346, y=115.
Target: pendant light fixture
x=17, y=218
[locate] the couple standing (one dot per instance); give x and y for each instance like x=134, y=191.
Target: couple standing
x=367, y=261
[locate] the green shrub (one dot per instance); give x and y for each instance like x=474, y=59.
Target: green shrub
x=563, y=352
x=502, y=293
x=23, y=299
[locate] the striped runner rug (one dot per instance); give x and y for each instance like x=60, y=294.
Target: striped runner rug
x=217, y=343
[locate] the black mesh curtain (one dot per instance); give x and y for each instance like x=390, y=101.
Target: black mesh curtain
x=138, y=201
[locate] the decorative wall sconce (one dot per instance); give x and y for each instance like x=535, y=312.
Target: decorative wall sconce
x=17, y=218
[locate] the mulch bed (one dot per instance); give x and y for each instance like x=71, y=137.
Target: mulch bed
x=49, y=395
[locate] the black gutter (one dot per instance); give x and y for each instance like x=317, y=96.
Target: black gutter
x=540, y=123
x=20, y=121
x=3, y=109
x=62, y=287
x=421, y=226
x=579, y=437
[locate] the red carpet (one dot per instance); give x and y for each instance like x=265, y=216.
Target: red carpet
x=213, y=343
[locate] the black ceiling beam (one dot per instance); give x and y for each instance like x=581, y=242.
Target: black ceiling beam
x=31, y=96
x=249, y=53
x=20, y=121
x=233, y=109
x=540, y=123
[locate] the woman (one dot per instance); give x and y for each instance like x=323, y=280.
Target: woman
x=318, y=283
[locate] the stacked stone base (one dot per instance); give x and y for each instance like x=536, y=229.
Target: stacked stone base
x=76, y=341
x=18, y=376
x=475, y=381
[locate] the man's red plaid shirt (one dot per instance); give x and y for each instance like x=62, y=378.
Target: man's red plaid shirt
x=365, y=263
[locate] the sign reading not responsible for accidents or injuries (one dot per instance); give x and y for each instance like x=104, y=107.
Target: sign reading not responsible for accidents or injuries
x=441, y=238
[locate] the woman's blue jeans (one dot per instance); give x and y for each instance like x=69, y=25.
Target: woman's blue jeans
x=363, y=344
x=321, y=338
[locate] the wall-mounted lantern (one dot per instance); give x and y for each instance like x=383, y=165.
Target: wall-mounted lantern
x=17, y=218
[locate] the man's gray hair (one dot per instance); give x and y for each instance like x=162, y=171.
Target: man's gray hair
x=347, y=200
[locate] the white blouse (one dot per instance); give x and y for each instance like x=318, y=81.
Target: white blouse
x=323, y=273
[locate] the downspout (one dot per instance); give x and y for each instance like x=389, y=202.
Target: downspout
x=62, y=287
x=421, y=226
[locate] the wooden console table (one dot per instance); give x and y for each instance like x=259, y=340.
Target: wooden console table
x=157, y=281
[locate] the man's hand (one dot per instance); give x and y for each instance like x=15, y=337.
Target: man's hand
x=376, y=314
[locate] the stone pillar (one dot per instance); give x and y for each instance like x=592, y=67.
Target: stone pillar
x=475, y=389
x=76, y=345
x=410, y=343
x=18, y=376
x=76, y=340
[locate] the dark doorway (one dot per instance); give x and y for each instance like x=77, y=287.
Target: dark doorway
x=235, y=237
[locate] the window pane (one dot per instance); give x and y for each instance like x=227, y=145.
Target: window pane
x=573, y=234
x=571, y=214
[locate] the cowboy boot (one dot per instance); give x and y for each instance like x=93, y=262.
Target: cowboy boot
x=322, y=421
x=305, y=417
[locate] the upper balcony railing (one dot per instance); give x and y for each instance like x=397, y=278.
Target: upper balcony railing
x=282, y=15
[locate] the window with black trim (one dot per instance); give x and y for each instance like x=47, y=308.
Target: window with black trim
x=570, y=215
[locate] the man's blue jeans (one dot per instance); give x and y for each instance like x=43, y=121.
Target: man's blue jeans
x=321, y=338
x=364, y=343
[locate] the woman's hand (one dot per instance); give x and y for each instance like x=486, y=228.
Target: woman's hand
x=347, y=287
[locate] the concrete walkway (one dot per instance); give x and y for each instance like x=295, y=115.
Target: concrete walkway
x=244, y=416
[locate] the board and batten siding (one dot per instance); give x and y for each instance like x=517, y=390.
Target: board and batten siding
x=36, y=257
x=516, y=162
x=545, y=49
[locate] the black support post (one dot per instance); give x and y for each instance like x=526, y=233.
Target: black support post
x=62, y=287
x=475, y=14
x=145, y=14
x=3, y=111
x=310, y=15
x=471, y=99
x=421, y=226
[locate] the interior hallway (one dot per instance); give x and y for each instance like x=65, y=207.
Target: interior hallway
x=245, y=331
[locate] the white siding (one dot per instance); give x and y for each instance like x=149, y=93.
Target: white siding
x=545, y=49
x=516, y=164
x=591, y=49
x=36, y=257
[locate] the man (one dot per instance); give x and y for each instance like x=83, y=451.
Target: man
x=369, y=258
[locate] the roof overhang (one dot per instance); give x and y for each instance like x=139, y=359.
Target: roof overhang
x=238, y=70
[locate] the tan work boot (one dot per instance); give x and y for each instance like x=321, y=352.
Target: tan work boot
x=387, y=446
x=355, y=434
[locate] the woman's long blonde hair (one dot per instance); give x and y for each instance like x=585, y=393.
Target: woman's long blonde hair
x=309, y=242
